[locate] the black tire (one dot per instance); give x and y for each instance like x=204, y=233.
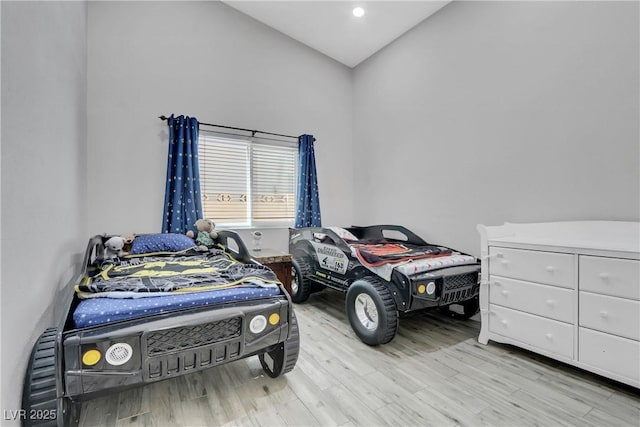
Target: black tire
x=39, y=395
x=300, y=283
x=469, y=308
x=283, y=358
x=372, y=311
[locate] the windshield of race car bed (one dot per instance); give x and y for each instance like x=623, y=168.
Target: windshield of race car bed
x=386, y=234
x=394, y=235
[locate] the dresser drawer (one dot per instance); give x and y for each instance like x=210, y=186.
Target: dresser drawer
x=610, y=314
x=550, y=335
x=548, y=301
x=549, y=268
x=610, y=353
x=610, y=276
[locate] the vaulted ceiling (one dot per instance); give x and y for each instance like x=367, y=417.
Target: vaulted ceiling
x=330, y=27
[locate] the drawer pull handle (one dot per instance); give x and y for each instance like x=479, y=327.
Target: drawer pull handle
x=499, y=255
x=496, y=283
x=550, y=302
x=505, y=292
x=551, y=268
x=504, y=262
x=504, y=322
x=604, y=314
x=604, y=276
x=549, y=336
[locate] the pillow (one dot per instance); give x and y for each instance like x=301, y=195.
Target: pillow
x=164, y=242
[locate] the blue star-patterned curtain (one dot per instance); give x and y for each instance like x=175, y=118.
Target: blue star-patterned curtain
x=308, y=203
x=182, y=203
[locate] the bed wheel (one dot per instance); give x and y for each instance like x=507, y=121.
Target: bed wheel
x=283, y=358
x=300, y=283
x=372, y=311
x=468, y=309
x=40, y=396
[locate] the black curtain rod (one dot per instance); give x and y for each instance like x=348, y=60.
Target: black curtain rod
x=253, y=132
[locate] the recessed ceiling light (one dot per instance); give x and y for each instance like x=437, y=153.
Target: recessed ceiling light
x=358, y=11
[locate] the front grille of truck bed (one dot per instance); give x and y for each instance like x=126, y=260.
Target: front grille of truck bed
x=176, y=351
x=184, y=337
x=459, y=288
x=191, y=360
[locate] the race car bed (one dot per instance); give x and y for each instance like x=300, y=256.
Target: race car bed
x=385, y=270
x=165, y=309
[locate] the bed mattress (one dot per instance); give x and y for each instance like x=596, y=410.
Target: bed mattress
x=100, y=311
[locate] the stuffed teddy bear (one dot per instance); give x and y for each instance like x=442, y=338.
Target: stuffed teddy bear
x=113, y=248
x=128, y=241
x=206, y=234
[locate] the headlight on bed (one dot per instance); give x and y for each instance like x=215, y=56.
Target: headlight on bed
x=258, y=324
x=91, y=357
x=431, y=288
x=274, y=319
x=118, y=354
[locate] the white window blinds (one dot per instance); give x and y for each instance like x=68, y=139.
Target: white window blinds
x=247, y=183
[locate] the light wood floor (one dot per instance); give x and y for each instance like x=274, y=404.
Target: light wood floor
x=433, y=373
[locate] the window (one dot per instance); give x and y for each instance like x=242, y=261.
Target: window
x=248, y=183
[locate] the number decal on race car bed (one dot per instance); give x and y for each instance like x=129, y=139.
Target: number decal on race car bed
x=330, y=258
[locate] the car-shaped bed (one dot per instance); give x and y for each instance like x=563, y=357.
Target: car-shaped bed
x=385, y=271
x=147, y=317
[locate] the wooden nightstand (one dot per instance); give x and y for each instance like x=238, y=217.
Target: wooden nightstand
x=279, y=262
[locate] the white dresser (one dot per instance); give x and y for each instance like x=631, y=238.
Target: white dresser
x=567, y=290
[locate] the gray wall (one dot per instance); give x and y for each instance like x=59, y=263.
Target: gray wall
x=203, y=59
x=501, y=111
x=43, y=171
